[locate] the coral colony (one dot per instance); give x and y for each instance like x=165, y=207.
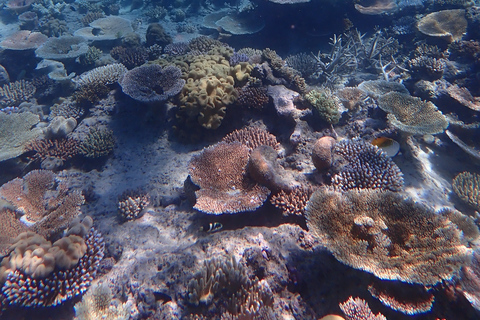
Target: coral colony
x=279, y=159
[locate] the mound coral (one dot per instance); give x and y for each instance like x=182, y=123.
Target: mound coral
x=412, y=114
x=467, y=187
x=384, y=234
x=220, y=172
x=152, y=83
x=39, y=273
x=367, y=167
x=322, y=153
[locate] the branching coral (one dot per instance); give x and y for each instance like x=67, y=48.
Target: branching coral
x=131, y=203
x=358, y=309
x=467, y=186
x=14, y=93
x=412, y=114
x=253, y=137
x=105, y=75
x=152, y=83
x=253, y=97
x=367, y=167
x=61, y=149
x=220, y=172
x=10, y=228
x=39, y=273
x=293, y=202
x=98, y=143
x=383, y=233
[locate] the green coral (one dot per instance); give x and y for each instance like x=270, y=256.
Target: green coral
x=326, y=105
x=98, y=143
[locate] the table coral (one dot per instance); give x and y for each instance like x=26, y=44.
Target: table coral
x=384, y=234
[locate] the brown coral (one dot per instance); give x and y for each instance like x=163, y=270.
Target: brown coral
x=467, y=186
x=293, y=202
x=253, y=137
x=10, y=228
x=131, y=203
x=356, y=309
x=220, y=172
x=387, y=235
x=41, y=198
x=62, y=149
x=412, y=114
x=253, y=97
x=322, y=153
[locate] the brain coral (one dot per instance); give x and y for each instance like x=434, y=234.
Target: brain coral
x=220, y=172
x=412, y=114
x=383, y=233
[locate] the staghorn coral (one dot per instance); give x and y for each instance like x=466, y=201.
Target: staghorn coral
x=384, y=234
x=293, y=202
x=253, y=137
x=131, y=203
x=39, y=273
x=98, y=143
x=367, y=167
x=412, y=114
x=16, y=131
x=358, y=309
x=326, y=104
x=467, y=187
x=152, y=83
x=220, y=172
x=14, y=93
x=44, y=202
x=99, y=303
x=253, y=97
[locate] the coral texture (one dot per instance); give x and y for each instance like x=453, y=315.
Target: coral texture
x=131, y=203
x=383, y=233
x=14, y=93
x=326, y=105
x=367, y=167
x=220, y=172
x=358, y=309
x=412, y=114
x=98, y=143
x=293, y=202
x=467, y=186
x=39, y=273
x=253, y=137
x=253, y=97
x=10, y=228
x=152, y=83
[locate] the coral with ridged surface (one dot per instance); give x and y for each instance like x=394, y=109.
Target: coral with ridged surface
x=467, y=187
x=384, y=234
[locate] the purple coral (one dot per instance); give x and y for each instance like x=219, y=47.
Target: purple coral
x=152, y=83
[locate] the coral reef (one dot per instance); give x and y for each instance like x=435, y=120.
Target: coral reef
x=16, y=131
x=132, y=203
x=253, y=137
x=412, y=114
x=99, y=303
x=464, y=97
x=152, y=83
x=356, y=309
x=177, y=48
x=14, y=93
x=39, y=273
x=367, y=167
x=204, y=44
x=467, y=187
x=387, y=235
x=98, y=143
x=220, y=172
x=293, y=202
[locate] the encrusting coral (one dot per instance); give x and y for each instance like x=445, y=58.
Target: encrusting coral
x=39, y=273
x=367, y=167
x=384, y=234
x=467, y=187
x=220, y=172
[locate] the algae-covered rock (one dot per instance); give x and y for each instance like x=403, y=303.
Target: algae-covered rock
x=16, y=130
